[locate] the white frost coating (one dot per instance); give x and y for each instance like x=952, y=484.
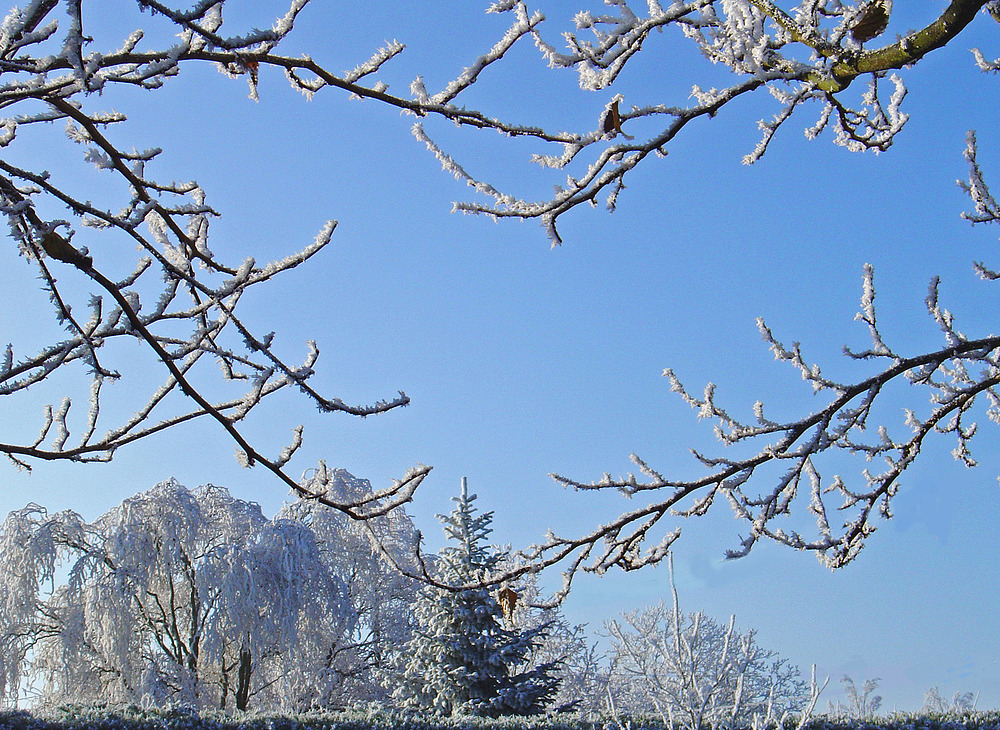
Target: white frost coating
x=291, y=261
x=62, y=431
x=238, y=281
x=241, y=458
x=8, y=133
x=284, y=24
x=449, y=165
x=983, y=64
x=177, y=588
x=419, y=91
x=502, y=6
x=308, y=87
x=99, y=159
x=570, y=151
x=469, y=75
x=373, y=64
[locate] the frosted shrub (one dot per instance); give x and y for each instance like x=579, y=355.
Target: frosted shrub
x=859, y=704
x=961, y=702
x=692, y=670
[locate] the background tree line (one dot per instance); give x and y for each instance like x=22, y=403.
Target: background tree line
x=194, y=598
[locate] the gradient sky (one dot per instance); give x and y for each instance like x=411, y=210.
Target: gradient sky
x=521, y=360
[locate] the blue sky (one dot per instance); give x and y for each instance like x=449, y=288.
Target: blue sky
x=521, y=360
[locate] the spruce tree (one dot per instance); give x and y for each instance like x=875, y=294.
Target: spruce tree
x=462, y=659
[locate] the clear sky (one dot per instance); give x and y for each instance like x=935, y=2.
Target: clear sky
x=521, y=360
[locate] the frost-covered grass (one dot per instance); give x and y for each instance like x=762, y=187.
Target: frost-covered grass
x=133, y=718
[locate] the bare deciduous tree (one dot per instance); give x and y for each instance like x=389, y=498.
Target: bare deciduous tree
x=695, y=671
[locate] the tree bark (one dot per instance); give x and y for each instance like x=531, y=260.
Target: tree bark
x=243, y=679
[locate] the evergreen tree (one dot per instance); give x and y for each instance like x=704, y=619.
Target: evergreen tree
x=462, y=659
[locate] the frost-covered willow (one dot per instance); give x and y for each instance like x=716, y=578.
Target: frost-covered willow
x=352, y=669
x=195, y=598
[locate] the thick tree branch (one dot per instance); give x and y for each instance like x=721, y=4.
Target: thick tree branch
x=909, y=49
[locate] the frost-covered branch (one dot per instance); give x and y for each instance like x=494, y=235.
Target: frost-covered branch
x=49, y=69
x=954, y=377
x=809, y=53
x=813, y=52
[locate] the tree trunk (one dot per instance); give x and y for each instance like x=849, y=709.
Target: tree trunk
x=224, y=683
x=243, y=679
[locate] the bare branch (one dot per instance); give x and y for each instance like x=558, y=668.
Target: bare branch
x=811, y=54
x=953, y=378
x=169, y=222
